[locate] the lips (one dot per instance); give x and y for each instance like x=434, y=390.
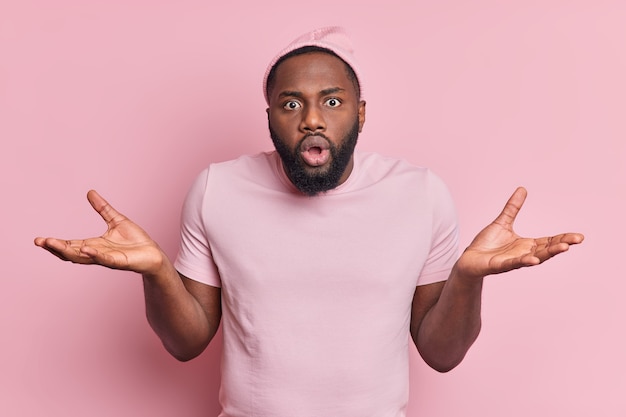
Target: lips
x=315, y=150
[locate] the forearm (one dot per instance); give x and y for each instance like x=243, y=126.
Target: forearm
x=175, y=314
x=453, y=323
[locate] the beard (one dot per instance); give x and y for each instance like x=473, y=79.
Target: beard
x=314, y=183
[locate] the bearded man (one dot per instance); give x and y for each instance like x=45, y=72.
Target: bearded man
x=321, y=262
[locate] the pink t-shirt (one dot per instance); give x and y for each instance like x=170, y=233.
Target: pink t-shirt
x=316, y=291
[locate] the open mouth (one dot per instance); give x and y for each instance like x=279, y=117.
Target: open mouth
x=315, y=151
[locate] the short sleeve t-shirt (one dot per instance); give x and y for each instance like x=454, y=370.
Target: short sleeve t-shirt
x=316, y=291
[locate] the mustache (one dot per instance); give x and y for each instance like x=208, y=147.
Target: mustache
x=308, y=135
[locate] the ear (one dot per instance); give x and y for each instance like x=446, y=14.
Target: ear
x=361, y=114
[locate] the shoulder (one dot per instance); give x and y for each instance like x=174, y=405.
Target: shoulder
x=245, y=174
x=380, y=167
x=257, y=167
x=244, y=163
x=409, y=182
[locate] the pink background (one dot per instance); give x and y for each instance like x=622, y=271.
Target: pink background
x=134, y=98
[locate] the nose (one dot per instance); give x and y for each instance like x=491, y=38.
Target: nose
x=312, y=120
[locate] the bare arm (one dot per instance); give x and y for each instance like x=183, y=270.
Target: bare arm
x=446, y=317
x=446, y=321
x=184, y=314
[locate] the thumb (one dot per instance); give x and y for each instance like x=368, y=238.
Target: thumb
x=104, y=209
x=507, y=217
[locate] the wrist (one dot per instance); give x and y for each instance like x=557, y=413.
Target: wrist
x=158, y=265
x=465, y=278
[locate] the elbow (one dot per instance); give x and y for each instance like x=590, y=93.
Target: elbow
x=184, y=354
x=445, y=355
x=444, y=367
x=184, y=347
x=444, y=358
x=442, y=363
x=183, y=358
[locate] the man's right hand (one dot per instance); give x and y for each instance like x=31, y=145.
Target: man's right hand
x=123, y=246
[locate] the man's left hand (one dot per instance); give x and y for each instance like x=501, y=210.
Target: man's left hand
x=497, y=248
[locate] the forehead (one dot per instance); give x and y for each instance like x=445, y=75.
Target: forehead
x=312, y=70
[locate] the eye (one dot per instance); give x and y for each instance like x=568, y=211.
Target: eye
x=291, y=105
x=333, y=102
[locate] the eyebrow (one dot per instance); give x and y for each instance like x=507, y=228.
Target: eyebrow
x=325, y=92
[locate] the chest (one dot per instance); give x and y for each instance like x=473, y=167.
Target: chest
x=378, y=239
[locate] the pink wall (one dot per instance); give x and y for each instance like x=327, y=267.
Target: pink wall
x=134, y=98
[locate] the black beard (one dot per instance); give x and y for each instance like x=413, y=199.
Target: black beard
x=313, y=184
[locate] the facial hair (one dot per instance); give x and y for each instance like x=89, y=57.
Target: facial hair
x=315, y=183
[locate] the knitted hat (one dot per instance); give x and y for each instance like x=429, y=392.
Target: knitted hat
x=333, y=38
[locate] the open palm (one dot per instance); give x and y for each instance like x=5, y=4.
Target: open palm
x=497, y=248
x=123, y=246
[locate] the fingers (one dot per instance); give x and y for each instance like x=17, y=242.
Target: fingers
x=562, y=239
x=66, y=250
x=554, y=245
x=511, y=208
x=573, y=238
x=104, y=209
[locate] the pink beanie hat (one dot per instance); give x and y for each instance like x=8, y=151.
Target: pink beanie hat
x=333, y=38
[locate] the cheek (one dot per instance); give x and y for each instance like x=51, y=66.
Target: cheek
x=284, y=129
x=285, y=126
x=343, y=125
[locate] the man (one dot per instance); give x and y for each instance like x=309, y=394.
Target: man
x=318, y=260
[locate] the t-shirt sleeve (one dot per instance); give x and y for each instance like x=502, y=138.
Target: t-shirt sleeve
x=444, y=246
x=194, y=258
